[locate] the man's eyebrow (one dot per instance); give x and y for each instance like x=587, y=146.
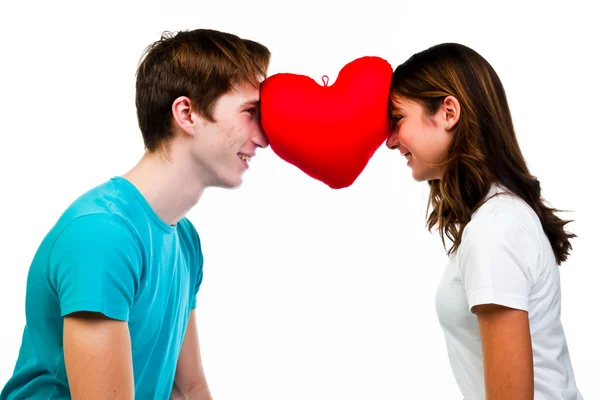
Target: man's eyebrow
x=251, y=103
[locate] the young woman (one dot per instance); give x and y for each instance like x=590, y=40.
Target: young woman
x=499, y=299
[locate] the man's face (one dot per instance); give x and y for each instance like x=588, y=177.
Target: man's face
x=224, y=148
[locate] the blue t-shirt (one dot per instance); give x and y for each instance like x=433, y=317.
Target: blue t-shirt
x=109, y=253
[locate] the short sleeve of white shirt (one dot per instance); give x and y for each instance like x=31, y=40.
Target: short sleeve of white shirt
x=497, y=256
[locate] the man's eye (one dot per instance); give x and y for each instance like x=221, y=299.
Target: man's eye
x=251, y=110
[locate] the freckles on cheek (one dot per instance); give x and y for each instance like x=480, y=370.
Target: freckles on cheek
x=236, y=135
x=225, y=137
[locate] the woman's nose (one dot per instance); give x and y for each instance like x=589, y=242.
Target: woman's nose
x=392, y=141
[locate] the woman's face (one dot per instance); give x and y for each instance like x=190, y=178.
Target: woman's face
x=422, y=139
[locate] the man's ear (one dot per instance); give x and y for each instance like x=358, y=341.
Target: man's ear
x=183, y=117
x=450, y=110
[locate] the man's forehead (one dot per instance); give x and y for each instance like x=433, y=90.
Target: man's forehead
x=242, y=98
x=246, y=93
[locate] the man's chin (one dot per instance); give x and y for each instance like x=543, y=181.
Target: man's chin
x=232, y=183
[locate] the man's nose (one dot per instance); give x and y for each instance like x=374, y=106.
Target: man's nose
x=259, y=137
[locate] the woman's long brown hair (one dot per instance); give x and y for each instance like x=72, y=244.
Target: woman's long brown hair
x=484, y=148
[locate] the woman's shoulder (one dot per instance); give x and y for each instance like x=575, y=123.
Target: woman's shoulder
x=504, y=212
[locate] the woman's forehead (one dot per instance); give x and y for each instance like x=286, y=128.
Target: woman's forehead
x=399, y=102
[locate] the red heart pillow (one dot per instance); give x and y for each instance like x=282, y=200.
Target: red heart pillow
x=329, y=132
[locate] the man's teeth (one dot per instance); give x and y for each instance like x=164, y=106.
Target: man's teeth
x=244, y=157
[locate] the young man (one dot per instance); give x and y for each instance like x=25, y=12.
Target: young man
x=112, y=289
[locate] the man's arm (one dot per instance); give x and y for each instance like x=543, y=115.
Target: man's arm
x=507, y=352
x=98, y=357
x=190, y=382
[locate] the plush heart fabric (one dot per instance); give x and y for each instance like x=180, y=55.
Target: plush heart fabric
x=329, y=132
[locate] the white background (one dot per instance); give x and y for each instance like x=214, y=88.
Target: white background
x=309, y=292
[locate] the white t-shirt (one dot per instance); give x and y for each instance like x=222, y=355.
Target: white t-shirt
x=505, y=258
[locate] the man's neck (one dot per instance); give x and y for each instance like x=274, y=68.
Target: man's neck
x=171, y=188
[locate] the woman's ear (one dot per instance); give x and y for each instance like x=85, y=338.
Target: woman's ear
x=450, y=110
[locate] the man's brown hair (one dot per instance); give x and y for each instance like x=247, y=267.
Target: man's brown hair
x=203, y=65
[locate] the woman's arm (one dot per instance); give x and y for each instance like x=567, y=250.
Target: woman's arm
x=507, y=352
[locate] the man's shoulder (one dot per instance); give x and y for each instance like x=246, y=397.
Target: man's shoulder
x=100, y=211
x=107, y=200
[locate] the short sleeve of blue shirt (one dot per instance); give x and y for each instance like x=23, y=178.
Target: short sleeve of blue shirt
x=95, y=265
